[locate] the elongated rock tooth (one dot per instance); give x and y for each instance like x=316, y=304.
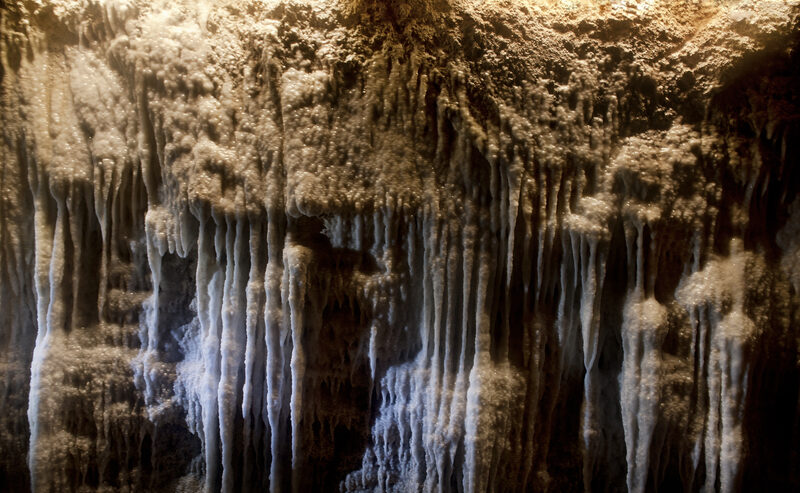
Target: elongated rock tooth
x=399, y=246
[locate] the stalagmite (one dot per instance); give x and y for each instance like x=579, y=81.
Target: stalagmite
x=402, y=245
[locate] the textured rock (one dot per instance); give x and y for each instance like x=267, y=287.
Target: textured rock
x=402, y=245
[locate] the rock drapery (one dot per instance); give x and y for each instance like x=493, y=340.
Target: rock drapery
x=400, y=246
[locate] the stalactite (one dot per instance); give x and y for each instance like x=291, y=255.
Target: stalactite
x=399, y=246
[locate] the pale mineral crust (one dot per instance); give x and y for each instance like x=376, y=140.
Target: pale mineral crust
x=402, y=245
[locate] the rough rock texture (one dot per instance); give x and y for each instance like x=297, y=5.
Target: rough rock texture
x=400, y=246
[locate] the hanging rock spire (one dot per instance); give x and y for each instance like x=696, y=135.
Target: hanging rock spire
x=412, y=245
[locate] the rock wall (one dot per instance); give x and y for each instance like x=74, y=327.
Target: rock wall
x=418, y=245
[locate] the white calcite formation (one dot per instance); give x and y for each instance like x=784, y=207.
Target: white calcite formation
x=363, y=245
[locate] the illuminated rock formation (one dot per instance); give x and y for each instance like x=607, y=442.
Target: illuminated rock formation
x=400, y=246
